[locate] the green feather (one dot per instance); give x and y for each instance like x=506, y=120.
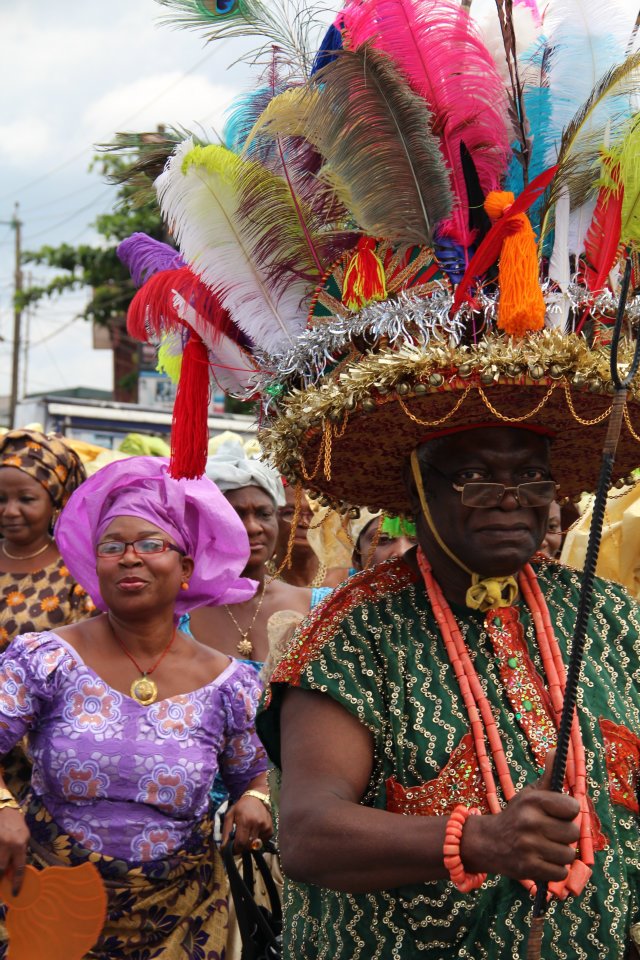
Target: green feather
x=294, y=26
x=627, y=155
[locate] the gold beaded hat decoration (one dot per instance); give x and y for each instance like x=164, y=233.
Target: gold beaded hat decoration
x=422, y=228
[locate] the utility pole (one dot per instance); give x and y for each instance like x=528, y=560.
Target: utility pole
x=26, y=340
x=17, y=320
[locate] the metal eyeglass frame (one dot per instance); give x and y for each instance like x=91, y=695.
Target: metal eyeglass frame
x=460, y=488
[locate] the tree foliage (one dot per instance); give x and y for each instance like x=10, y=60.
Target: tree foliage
x=98, y=267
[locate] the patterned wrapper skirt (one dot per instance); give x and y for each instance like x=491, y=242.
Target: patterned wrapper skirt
x=174, y=909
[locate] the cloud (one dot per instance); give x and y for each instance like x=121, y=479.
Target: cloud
x=24, y=139
x=171, y=98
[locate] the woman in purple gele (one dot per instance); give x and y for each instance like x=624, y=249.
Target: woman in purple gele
x=129, y=720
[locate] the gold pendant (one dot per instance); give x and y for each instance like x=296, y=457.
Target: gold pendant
x=144, y=691
x=245, y=647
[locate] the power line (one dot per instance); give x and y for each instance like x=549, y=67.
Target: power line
x=71, y=216
x=121, y=125
x=51, y=203
x=54, y=333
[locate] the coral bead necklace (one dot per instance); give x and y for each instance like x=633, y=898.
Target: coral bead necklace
x=483, y=725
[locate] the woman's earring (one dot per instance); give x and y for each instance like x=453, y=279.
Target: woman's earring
x=184, y=585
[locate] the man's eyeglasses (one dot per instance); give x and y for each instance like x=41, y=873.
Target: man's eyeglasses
x=481, y=495
x=145, y=547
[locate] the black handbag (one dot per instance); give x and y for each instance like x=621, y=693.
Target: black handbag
x=260, y=926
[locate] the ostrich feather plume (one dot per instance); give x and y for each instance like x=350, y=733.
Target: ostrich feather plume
x=199, y=196
x=373, y=133
x=438, y=49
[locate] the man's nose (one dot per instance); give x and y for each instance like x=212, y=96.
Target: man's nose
x=510, y=499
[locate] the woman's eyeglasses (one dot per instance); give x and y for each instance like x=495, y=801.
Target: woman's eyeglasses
x=145, y=547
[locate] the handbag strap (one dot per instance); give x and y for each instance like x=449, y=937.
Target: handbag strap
x=270, y=885
x=250, y=918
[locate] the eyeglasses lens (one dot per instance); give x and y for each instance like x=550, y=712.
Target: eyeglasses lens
x=538, y=493
x=149, y=545
x=117, y=548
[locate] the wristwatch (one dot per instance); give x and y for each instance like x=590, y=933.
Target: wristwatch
x=266, y=799
x=7, y=800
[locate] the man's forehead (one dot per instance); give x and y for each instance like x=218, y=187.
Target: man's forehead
x=488, y=444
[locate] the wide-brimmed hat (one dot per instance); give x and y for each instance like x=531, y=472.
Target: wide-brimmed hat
x=349, y=435
x=423, y=228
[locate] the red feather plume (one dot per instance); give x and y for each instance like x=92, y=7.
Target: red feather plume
x=602, y=241
x=152, y=310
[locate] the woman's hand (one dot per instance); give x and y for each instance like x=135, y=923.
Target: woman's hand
x=14, y=837
x=252, y=821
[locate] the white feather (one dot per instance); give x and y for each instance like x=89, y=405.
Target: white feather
x=201, y=208
x=559, y=264
x=579, y=224
x=526, y=30
x=232, y=368
x=586, y=38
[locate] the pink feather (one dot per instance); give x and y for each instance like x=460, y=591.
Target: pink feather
x=533, y=7
x=438, y=49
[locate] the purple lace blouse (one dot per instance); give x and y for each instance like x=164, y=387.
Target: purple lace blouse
x=125, y=780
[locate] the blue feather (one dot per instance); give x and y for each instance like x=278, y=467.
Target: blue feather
x=216, y=9
x=243, y=114
x=537, y=103
x=452, y=257
x=331, y=43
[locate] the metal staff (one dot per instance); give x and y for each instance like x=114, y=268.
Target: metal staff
x=621, y=385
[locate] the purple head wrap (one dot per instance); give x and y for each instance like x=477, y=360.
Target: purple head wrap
x=193, y=512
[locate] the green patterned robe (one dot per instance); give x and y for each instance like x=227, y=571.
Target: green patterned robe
x=374, y=647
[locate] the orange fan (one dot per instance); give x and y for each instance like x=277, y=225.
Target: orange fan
x=58, y=914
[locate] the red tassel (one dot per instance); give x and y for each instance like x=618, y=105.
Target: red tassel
x=152, y=311
x=189, y=431
x=364, y=279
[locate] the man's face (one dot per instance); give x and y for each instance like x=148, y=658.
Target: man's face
x=493, y=541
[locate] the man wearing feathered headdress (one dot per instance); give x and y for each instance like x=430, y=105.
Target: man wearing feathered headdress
x=452, y=198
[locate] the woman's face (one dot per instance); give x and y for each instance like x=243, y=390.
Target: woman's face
x=285, y=519
x=257, y=511
x=132, y=584
x=552, y=542
x=386, y=547
x=26, y=509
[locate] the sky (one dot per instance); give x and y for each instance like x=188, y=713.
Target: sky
x=72, y=73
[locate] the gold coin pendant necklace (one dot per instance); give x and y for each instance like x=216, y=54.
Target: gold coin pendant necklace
x=144, y=690
x=245, y=647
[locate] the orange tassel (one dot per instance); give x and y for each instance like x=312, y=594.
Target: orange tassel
x=364, y=279
x=189, y=430
x=521, y=307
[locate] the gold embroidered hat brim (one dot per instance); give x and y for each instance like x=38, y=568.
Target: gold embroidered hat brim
x=348, y=437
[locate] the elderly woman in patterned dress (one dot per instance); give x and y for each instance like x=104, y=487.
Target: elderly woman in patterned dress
x=38, y=474
x=128, y=719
